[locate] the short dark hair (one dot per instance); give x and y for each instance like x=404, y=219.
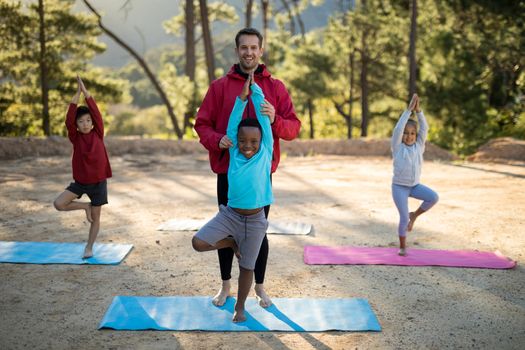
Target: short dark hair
x=250, y=122
x=81, y=110
x=249, y=31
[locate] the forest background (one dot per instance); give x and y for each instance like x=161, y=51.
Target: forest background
x=350, y=65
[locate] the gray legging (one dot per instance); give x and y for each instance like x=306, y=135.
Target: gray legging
x=401, y=193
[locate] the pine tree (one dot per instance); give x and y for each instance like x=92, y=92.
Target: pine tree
x=43, y=45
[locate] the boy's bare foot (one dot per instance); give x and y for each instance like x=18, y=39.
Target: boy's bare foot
x=88, y=253
x=412, y=216
x=88, y=213
x=220, y=298
x=238, y=316
x=262, y=298
x=402, y=252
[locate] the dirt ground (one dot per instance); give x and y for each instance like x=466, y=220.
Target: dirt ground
x=348, y=201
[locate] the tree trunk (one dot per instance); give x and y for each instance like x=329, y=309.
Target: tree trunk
x=44, y=83
x=351, y=99
x=310, y=107
x=290, y=16
x=351, y=64
x=144, y=66
x=412, y=52
x=265, y=5
x=208, y=44
x=347, y=118
x=364, y=78
x=248, y=18
x=189, y=68
x=364, y=95
x=299, y=19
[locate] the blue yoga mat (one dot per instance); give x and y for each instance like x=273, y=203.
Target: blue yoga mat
x=61, y=253
x=198, y=313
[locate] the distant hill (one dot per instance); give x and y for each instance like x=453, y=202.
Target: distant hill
x=140, y=24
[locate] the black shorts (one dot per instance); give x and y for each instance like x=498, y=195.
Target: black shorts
x=98, y=193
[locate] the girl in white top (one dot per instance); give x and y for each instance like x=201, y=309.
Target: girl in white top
x=408, y=146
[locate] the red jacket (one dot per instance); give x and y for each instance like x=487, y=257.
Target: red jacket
x=90, y=160
x=213, y=115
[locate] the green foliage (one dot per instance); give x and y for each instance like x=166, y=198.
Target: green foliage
x=70, y=44
x=470, y=60
x=307, y=70
x=319, y=67
x=469, y=53
x=217, y=11
x=472, y=70
x=152, y=121
x=179, y=88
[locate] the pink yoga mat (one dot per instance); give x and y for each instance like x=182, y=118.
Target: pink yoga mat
x=322, y=255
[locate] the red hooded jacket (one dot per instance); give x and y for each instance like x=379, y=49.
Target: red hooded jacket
x=213, y=115
x=90, y=160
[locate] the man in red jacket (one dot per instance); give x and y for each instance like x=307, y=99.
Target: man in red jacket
x=211, y=123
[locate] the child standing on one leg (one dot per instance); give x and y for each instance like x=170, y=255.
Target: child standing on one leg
x=90, y=163
x=408, y=146
x=242, y=224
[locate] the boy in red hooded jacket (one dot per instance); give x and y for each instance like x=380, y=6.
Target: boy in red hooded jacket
x=90, y=163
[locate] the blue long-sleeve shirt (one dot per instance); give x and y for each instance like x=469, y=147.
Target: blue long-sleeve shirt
x=408, y=160
x=249, y=185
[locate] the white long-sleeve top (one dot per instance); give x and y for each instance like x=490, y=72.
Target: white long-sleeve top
x=408, y=160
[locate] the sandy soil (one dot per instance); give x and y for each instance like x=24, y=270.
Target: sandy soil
x=348, y=201
x=501, y=150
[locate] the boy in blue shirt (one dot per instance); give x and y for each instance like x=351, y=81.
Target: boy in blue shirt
x=242, y=224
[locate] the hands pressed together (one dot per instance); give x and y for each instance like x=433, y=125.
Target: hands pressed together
x=246, y=88
x=413, y=106
x=80, y=89
x=266, y=109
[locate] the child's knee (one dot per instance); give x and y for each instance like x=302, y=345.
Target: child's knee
x=435, y=198
x=402, y=227
x=58, y=205
x=246, y=270
x=95, y=212
x=197, y=244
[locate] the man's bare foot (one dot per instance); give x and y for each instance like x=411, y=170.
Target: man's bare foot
x=412, y=216
x=88, y=253
x=238, y=316
x=88, y=213
x=220, y=298
x=262, y=298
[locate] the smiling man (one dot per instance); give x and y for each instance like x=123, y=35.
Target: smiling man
x=211, y=124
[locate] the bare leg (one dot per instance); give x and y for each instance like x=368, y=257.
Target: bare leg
x=93, y=231
x=203, y=246
x=402, y=246
x=220, y=298
x=413, y=216
x=245, y=283
x=66, y=202
x=263, y=299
